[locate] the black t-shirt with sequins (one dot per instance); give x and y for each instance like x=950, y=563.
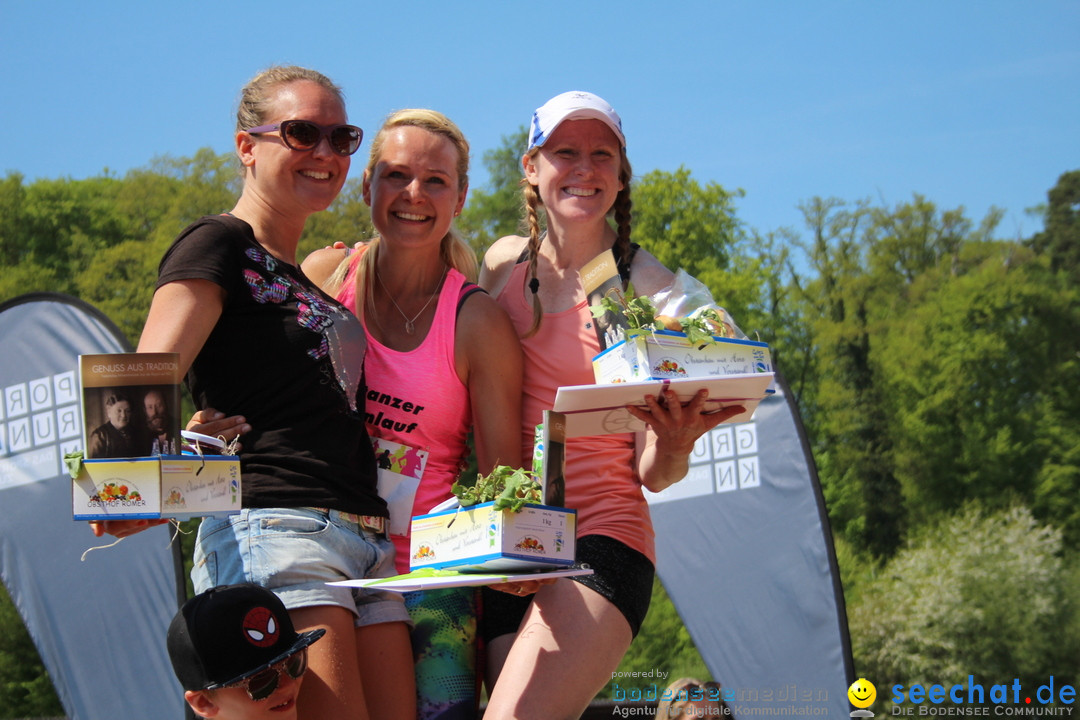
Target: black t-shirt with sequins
x=290, y=360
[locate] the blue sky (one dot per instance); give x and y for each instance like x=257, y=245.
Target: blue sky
x=970, y=104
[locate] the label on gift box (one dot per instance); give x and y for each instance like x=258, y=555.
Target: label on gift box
x=668, y=355
x=482, y=538
x=169, y=486
x=193, y=486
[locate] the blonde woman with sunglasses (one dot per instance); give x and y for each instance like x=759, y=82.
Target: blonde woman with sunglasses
x=258, y=340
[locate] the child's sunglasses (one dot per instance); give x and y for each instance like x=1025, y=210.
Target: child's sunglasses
x=304, y=135
x=262, y=684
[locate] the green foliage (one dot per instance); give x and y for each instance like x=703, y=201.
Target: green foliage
x=933, y=364
x=684, y=224
x=509, y=488
x=1060, y=241
x=25, y=688
x=495, y=211
x=845, y=316
x=969, y=362
x=979, y=593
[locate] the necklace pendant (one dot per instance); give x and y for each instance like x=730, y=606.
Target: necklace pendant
x=409, y=327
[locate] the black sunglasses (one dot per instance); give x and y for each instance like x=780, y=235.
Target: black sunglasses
x=262, y=684
x=304, y=135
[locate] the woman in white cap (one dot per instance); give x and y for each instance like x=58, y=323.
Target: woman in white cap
x=552, y=653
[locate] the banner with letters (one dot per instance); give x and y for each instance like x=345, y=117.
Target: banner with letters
x=745, y=552
x=99, y=624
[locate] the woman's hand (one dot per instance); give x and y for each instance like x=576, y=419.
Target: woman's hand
x=522, y=587
x=677, y=426
x=214, y=423
x=122, y=528
x=673, y=430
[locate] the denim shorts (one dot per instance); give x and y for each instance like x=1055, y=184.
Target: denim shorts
x=295, y=552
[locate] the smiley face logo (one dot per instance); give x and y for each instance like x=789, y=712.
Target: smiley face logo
x=862, y=693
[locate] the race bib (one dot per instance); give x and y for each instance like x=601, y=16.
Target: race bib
x=400, y=470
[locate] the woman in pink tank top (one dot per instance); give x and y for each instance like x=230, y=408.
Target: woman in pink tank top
x=557, y=652
x=442, y=359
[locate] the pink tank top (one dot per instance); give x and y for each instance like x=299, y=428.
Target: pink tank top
x=416, y=399
x=601, y=480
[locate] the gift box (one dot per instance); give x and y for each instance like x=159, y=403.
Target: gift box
x=482, y=538
x=669, y=355
x=166, y=486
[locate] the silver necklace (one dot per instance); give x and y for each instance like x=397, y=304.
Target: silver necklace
x=410, y=325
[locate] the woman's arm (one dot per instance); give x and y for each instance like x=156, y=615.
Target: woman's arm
x=489, y=361
x=182, y=314
x=498, y=261
x=664, y=448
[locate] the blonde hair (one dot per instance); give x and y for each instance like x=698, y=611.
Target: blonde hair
x=257, y=96
x=681, y=695
x=620, y=209
x=453, y=250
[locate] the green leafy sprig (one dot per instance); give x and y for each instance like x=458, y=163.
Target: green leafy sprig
x=509, y=488
x=639, y=310
x=700, y=327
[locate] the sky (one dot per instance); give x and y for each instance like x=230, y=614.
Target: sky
x=969, y=104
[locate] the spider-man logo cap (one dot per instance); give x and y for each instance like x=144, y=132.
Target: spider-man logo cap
x=227, y=633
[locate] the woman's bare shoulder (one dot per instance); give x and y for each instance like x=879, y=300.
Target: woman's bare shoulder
x=505, y=249
x=320, y=265
x=499, y=260
x=648, y=275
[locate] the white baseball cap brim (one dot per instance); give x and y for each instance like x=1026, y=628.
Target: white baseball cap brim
x=573, y=105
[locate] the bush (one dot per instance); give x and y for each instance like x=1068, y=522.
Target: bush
x=980, y=594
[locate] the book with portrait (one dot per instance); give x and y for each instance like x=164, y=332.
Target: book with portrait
x=600, y=278
x=131, y=404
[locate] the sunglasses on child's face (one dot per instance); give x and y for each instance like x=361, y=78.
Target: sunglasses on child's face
x=304, y=135
x=262, y=684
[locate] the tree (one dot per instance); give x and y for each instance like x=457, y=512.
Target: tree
x=929, y=613
x=1061, y=238
x=685, y=225
x=1058, y=478
x=852, y=429
x=495, y=211
x=967, y=368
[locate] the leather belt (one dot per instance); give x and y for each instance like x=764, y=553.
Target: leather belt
x=375, y=523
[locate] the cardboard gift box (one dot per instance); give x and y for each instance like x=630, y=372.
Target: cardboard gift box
x=167, y=486
x=667, y=355
x=483, y=538
x=602, y=408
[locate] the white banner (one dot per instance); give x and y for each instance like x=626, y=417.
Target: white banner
x=98, y=624
x=745, y=552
